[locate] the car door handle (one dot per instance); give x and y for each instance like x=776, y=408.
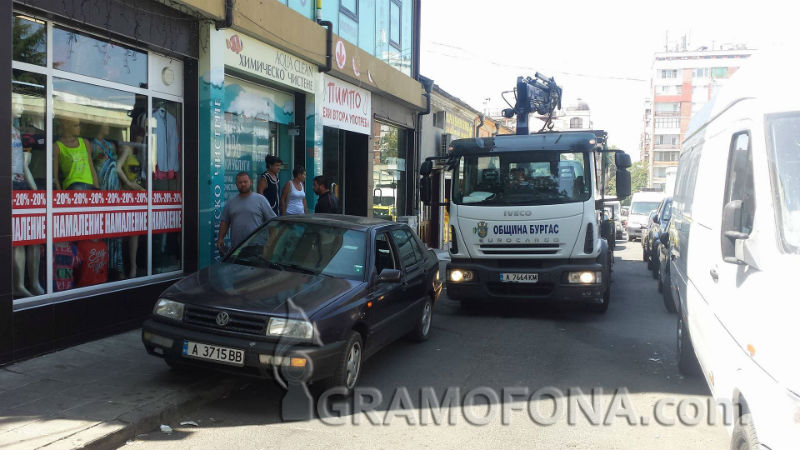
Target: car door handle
x=714, y=274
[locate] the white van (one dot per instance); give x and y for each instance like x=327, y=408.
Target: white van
x=735, y=250
x=642, y=203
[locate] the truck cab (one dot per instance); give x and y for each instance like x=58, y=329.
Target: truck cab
x=525, y=218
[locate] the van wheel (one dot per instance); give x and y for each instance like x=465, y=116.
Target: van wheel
x=744, y=433
x=687, y=360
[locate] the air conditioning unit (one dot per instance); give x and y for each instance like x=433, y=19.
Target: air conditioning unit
x=439, y=119
x=445, y=148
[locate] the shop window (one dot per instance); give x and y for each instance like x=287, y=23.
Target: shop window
x=96, y=181
x=99, y=160
x=30, y=40
x=86, y=55
x=389, y=171
x=167, y=185
x=28, y=195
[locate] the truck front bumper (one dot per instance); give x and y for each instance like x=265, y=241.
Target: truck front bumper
x=552, y=284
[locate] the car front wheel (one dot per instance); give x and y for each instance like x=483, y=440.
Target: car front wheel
x=348, y=369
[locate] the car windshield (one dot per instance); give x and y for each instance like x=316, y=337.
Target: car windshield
x=522, y=178
x=643, y=208
x=784, y=153
x=311, y=248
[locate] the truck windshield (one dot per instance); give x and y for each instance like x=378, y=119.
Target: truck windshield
x=784, y=155
x=522, y=178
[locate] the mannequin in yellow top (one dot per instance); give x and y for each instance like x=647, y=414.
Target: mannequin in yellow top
x=72, y=158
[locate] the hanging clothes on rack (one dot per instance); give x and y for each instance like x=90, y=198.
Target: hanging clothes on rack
x=167, y=145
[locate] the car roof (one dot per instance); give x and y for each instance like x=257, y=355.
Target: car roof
x=339, y=220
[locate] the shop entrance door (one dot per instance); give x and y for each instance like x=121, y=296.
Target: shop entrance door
x=344, y=162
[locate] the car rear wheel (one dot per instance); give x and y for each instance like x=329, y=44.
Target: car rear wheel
x=422, y=330
x=348, y=369
x=666, y=291
x=654, y=265
x=687, y=360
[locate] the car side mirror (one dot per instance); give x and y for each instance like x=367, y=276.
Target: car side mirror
x=389, y=276
x=733, y=239
x=664, y=238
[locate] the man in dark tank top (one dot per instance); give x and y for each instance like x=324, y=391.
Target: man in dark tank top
x=269, y=184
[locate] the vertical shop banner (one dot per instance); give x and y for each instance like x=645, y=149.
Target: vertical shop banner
x=346, y=107
x=79, y=215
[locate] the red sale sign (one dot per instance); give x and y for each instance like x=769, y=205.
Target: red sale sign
x=79, y=215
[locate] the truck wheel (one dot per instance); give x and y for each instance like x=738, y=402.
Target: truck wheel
x=687, y=360
x=601, y=308
x=744, y=433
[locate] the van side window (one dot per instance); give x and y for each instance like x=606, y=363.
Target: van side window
x=687, y=177
x=739, y=179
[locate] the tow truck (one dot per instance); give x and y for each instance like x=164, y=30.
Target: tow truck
x=526, y=210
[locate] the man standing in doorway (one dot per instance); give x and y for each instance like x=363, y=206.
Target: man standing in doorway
x=268, y=184
x=327, y=202
x=243, y=213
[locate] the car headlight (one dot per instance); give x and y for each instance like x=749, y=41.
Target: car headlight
x=169, y=309
x=585, y=277
x=298, y=329
x=460, y=275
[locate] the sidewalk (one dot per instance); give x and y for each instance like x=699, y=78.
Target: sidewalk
x=97, y=395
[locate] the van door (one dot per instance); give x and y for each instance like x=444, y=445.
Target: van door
x=733, y=307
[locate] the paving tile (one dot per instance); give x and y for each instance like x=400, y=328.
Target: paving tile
x=53, y=404
x=31, y=392
x=42, y=432
x=105, y=410
x=87, y=436
x=12, y=380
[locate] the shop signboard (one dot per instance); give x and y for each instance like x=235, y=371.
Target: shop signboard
x=346, y=106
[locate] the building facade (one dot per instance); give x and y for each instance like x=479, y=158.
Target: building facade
x=682, y=82
x=130, y=121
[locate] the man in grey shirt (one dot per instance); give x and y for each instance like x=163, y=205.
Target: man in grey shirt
x=243, y=213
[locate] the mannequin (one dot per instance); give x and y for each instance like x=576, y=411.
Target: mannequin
x=72, y=158
x=128, y=170
x=25, y=257
x=104, y=155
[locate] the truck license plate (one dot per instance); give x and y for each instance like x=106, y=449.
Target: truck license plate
x=514, y=277
x=207, y=352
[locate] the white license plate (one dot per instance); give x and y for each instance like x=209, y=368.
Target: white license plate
x=516, y=277
x=215, y=353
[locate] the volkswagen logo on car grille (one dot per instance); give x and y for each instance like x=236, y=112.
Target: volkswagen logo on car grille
x=223, y=318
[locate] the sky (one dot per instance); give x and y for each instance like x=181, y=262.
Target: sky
x=600, y=51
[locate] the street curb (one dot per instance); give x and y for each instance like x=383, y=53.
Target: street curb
x=149, y=417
